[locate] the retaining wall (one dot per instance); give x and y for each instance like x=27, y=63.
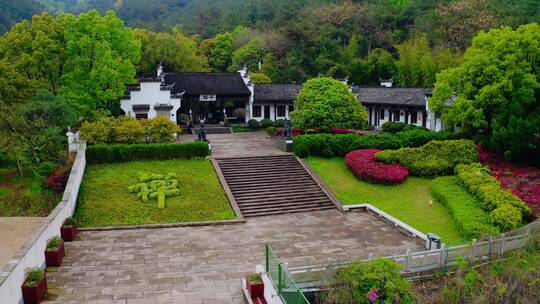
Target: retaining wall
x=32, y=254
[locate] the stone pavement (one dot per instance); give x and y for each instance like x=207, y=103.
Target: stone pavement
x=15, y=232
x=205, y=264
x=239, y=144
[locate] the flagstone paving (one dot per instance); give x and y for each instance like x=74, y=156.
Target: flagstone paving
x=239, y=144
x=205, y=264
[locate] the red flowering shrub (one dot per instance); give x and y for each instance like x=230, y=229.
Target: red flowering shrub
x=364, y=166
x=523, y=181
x=340, y=131
x=58, y=179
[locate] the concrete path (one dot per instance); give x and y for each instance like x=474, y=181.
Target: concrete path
x=205, y=264
x=239, y=144
x=14, y=233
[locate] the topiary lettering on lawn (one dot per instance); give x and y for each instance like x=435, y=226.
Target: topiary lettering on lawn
x=156, y=186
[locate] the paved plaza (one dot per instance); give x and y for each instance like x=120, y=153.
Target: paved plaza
x=240, y=144
x=205, y=264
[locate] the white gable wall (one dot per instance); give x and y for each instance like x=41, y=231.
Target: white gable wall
x=150, y=94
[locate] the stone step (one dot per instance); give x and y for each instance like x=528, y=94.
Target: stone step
x=281, y=199
x=275, y=212
x=272, y=185
x=268, y=177
x=273, y=190
x=298, y=181
x=292, y=205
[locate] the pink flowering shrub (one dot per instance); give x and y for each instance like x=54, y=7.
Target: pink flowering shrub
x=522, y=181
x=340, y=131
x=364, y=166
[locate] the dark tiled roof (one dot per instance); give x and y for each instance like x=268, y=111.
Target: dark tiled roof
x=393, y=96
x=276, y=92
x=207, y=83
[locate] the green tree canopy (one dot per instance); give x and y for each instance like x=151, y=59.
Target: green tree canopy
x=176, y=52
x=260, y=78
x=495, y=92
x=88, y=58
x=327, y=103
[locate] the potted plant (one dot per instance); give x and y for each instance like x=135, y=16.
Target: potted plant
x=255, y=285
x=54, y=253
x=34, y=286
x=69, y=229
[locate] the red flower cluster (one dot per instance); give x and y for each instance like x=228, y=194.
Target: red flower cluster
x=340, y=131
x=364, y=166
x=523, y=181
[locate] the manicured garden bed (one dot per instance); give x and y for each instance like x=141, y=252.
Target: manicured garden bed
x=24, y=195
x=104, y=199
x=409, y=201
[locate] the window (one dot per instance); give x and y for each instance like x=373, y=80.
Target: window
x=267, y=112
x=141, y=116
x=281, y=111
x=413, y=116
x=256, y=111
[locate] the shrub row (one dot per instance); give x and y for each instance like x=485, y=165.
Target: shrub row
x=463, y=207
x=265, y=123
x=328, y=145
x=364, y=166
x=434, y=158
x=124, y=153
x=507, y=210
x=396, y=126
x=128, y=130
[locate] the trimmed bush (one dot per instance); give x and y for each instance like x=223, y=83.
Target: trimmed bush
x=280, y=123
x=507, y=210
x=253, y=124
x=409, y=127
x=364, y=166
x=393, y=126
x=434, y=158
x=329, y=145
x=127, y=130
x=463, y=207
x=271, y=131
x=376, y=281
x=265, y=123
x=125, y=153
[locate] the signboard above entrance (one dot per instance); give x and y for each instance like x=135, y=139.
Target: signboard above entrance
x=207, y=98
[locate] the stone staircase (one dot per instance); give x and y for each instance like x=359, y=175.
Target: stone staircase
x=212, y=129
x=268, y=185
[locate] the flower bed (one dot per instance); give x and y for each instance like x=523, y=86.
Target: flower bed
x=523, y=181
x=364, y=166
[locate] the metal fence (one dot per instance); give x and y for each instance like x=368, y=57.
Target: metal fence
x=282, y=278
x=287, y=279
x=414, y=263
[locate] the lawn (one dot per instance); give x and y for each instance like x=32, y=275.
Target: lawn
x=24, y=195
x=410, y=201
x=104, y=199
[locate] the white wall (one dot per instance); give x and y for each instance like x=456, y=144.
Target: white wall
x=150, y=94
x=32, y=253
x=272, y=111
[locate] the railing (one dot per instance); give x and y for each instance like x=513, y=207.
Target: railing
x=415, y=263
x=284, y=283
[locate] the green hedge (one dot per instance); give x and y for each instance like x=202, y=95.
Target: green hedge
x=393, y=126
x=434, y=158
x=328, y=145
x=507, y=210
x=125, y=153
x=463, y=207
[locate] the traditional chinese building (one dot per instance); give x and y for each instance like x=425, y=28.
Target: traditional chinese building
x=214, y=95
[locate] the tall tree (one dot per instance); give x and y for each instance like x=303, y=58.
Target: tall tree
x=495, y=93
x=100, y=59
x=461, y=20
x=175, y=51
